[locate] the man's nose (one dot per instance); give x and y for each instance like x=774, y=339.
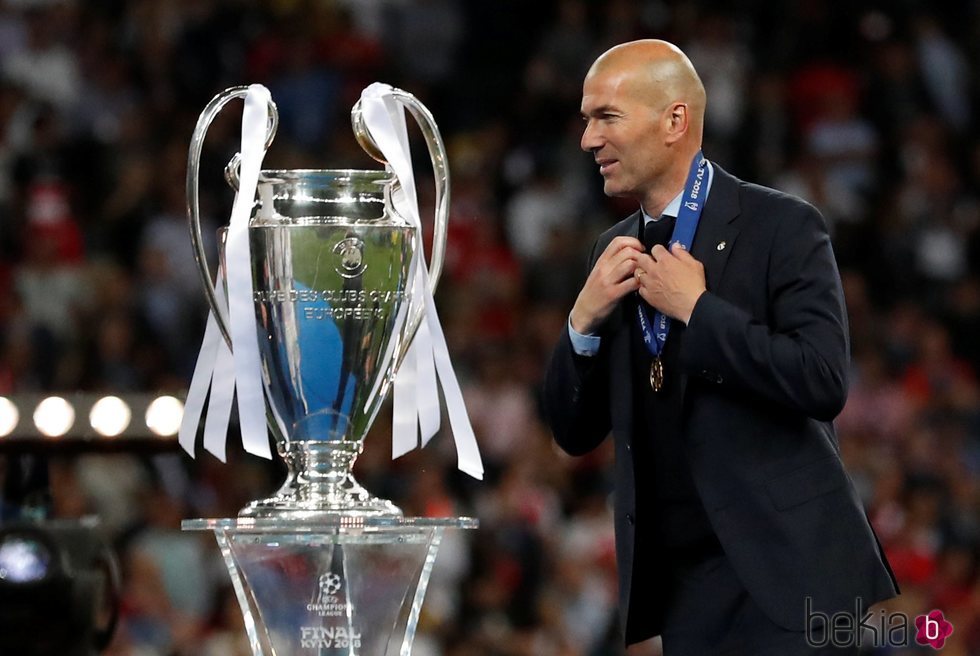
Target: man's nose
x=591, y=139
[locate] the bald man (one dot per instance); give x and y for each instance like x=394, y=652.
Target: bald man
x=710, y=339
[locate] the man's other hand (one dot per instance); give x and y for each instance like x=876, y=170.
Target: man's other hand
x=671, y=281
x=611, y=279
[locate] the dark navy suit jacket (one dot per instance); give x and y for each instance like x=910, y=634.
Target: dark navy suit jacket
x=765, y=363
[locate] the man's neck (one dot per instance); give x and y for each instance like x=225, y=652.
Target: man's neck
x=673, y=183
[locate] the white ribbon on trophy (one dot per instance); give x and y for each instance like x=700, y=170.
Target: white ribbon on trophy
x=416, y=399
x=216, y=367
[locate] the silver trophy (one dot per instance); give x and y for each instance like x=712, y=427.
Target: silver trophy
x=323, y=567
x=330, y=271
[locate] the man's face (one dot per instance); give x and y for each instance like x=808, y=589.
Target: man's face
x=625, y=132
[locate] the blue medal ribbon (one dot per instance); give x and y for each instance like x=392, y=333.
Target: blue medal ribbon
x=692, y=203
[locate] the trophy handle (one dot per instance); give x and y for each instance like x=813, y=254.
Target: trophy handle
x=193, y=187
x=440, y=171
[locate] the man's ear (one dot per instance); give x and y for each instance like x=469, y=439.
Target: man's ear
x=678, y=120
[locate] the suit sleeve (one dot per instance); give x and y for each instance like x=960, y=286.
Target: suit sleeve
x=798, y=356
x=576, y=396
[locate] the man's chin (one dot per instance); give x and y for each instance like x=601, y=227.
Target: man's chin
x=610, y=188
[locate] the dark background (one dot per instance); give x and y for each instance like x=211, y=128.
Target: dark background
x=866, y=109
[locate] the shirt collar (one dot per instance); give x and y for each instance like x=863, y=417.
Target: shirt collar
x=674, y=207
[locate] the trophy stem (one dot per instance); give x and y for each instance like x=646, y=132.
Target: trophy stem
x=319, y=483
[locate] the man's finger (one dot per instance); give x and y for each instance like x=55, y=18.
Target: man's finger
x=681, y=253
x=645, y=294
x=623, y=270
x=624, y=255
x=621, y=242
x=631, y=284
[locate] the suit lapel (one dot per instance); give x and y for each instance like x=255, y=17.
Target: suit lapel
x=716, y=232
x=620, y=353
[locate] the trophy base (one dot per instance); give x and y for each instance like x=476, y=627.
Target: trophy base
x=292, y=508
x=340, y=587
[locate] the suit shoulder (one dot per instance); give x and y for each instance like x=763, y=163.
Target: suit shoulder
x=777, y=206
x=760, y=196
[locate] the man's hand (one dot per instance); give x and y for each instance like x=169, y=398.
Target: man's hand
x=671, y=281
x=610, y=280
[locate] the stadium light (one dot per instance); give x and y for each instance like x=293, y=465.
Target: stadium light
x=110, y=416
x=82, y=421
x=163, y=416
x=54, y=416
x=9, y=416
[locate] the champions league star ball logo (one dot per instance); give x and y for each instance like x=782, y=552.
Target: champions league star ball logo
x=351, y=252
x=328, y=603
x=330, y=584
x=332, y=631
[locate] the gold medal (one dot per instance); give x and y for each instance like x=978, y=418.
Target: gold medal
x=657, y=374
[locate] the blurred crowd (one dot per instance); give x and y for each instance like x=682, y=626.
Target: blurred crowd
x=866, y=109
